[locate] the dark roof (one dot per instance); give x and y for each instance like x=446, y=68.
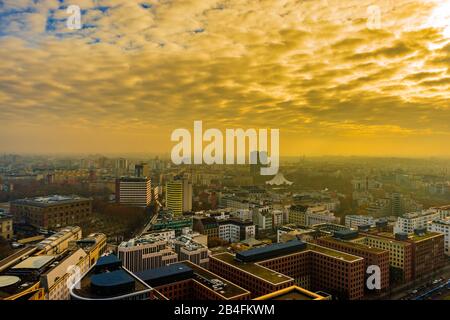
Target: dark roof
x=299, y=208
x=345, y=234
x=111, y=279
x=171, y=273
x=107, y=261
x=238, y=222
x=270, y=251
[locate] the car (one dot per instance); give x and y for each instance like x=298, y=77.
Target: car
x=414, y=291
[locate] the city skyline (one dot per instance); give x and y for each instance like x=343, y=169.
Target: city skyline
x=317, y=70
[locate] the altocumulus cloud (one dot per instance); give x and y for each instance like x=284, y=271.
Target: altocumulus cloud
x=139, y=69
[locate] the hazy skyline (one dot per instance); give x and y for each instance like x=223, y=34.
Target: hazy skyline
x=140, y=69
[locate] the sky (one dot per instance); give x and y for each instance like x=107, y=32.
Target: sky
x=330, y=75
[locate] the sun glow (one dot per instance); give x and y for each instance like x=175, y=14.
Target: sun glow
x=440, y=18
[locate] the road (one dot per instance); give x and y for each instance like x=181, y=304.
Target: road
x=422, y=286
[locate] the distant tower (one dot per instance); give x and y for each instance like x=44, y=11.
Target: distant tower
x=141, y=170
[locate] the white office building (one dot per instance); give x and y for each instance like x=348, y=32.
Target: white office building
x=414, y=220
x=262, y=217
x=353, y=220
x=442, y=226
x=243, y=214
x=319, y=214
x=234, y=230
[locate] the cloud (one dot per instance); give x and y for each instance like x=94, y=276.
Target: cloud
x=140, y=69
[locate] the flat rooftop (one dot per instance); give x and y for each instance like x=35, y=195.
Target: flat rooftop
x=35, y=262
x=142, y=240
x=444, y=222
x=229, y=291
x=50, y=200
x=420, y=214
x=411, y=237
x=254, y=269
x=333, y=253
x=425, y=236
x=187, y=270
x=354, y=245
x=272, y=250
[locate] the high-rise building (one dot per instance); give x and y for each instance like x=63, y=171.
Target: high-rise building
x=174, y=197
x=121, y=167
x=396, y=204
x=187, y=195
x=132, y=191
x=179, y=196
x=141, y=170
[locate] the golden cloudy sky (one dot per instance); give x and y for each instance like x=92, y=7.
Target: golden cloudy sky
x=137, y=70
